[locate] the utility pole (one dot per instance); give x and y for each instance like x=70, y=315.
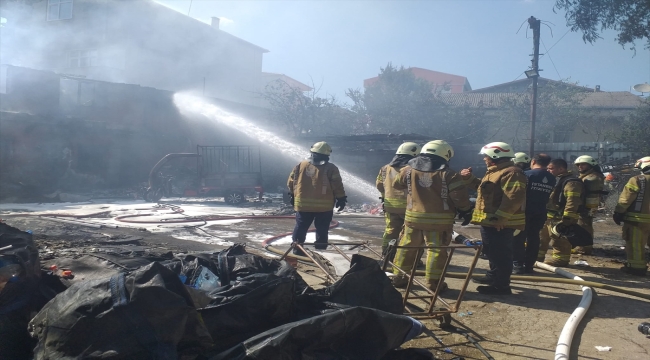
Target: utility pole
x=535, y=25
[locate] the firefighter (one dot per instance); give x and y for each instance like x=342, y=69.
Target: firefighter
x=539, y=188
x=499, y=210
x=563, y=209
x=393, y=200
x=633, y=209
x=522, y=160
x=594, y=180
x=435, y=194
x=315, y=187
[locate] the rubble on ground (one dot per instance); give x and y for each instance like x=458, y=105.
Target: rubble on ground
x=121, y=300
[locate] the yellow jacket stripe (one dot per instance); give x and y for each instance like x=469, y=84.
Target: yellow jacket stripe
x=634, y=200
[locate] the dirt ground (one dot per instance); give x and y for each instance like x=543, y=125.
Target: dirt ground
x=525, y=325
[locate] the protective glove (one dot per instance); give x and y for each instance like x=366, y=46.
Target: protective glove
x=340, y=203
x=291, y=199
x=383, y=208
x=466, y=216
x=618, y=217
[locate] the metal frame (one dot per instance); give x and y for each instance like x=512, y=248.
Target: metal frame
x=449, y=307
x=433, y=295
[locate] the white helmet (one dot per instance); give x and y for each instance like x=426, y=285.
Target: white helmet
x=321, y=147
x=521, y=157
x=439, y=148
x=497, y=150
x=586, y=159
x=643, y=163
x=408, y=148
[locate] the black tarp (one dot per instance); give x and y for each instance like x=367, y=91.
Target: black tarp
x=353, y=333
x=237, y=295
x=147, y=314
x=365, y=284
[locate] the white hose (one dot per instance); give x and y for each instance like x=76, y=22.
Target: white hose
x=566, y=336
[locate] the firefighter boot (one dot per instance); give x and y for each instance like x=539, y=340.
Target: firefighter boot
x=634, y=271
x=400, y=281
x=434, y=284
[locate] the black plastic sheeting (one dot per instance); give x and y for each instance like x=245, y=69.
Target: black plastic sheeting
x=353, y=333
x=147, y=314
x=209, y=305
x=365, y=284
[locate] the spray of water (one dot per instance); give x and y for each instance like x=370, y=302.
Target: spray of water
x=192, y=104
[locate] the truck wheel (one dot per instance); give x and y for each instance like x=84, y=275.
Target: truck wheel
x=234, y=198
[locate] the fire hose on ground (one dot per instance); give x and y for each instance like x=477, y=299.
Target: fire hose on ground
x=267, y=245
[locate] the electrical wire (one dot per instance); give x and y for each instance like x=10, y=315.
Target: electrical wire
x=549, y=49
x=550, y=58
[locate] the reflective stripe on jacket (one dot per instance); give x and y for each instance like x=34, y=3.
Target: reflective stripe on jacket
x=501, y=197
x=394, y=199
x=634, y=201
x=315, y=187
x=432, y=197
x=567, y=198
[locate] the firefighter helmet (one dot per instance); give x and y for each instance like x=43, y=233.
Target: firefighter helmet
x=408, y=148
x=321, y=147
x=439, y=148
x=497, y=150
x=586, y=159
x=521, y=157
x=643, y=163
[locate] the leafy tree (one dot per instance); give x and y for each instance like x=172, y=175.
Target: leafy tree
x=635, y=132
x=303, y=113
x=398, y=102
x=631, y=18
x=559, y=113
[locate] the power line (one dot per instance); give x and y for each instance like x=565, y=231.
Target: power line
x=190, y=9
x=549, y=49
x=550, y=58
x=519, y=75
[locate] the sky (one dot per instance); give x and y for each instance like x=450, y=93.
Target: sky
x=338, y=44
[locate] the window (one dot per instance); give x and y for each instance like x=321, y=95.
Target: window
x=82, y=58
x=59, y=9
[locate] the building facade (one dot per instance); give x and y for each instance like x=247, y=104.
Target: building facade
x=136, y=42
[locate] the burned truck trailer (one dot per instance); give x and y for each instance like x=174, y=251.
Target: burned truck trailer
x=231, y=172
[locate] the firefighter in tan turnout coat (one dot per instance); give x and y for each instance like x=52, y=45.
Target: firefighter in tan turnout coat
x=315, y=187
x=633, y=209
x=500, y=210
x=563, y=212
x=594, y=182
x=394, y=200
x=435, y=194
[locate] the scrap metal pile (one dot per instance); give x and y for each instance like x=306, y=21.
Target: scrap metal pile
x=225, y=305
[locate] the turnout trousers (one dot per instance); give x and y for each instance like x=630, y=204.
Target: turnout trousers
x=526, y=244
x=436, y=258
x=561, y=253
x=394, y=224
x=500, y=255
x=636, y=236
x=321, y=221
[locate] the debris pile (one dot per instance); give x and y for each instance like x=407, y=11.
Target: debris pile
x=225, y=305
